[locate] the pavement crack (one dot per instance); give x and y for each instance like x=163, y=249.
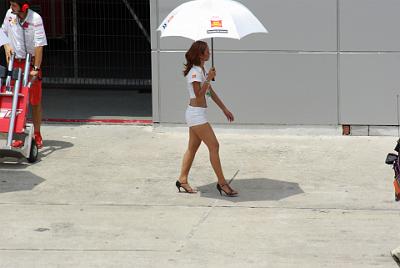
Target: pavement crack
x=233, y=206
x=202, y=219
x=197, y=225
x=78, y=250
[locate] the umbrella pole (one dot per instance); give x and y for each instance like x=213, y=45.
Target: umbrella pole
x=212, y=52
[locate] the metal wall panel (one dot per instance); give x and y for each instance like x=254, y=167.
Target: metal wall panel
x=154, y=24
x=172, y=88
x=306, y=25
x=369, y=87
x=155, y=94
x=369, y=82
x=291, y=75
x=259, y=88
x=369, y=25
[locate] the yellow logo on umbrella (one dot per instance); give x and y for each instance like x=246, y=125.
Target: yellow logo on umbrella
x=216, y=23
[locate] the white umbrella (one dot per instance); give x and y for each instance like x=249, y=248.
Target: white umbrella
x=202, y=19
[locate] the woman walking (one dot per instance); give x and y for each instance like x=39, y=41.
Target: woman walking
x=198, y=85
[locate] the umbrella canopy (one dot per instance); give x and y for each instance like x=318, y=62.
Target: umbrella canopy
x=202, y=19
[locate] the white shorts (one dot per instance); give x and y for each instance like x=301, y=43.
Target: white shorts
x=195, y=116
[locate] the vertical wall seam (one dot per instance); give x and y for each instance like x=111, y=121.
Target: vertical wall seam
x=157, y=23
x=338, y=62
x=158, y=64
x=155, y=59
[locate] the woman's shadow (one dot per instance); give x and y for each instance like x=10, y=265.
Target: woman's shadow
x=257, y=189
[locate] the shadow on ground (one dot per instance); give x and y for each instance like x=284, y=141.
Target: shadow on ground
x=50, y=146
x=14, y=181
x=257, y=189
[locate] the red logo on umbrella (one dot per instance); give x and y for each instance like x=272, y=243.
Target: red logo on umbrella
x=216, y=23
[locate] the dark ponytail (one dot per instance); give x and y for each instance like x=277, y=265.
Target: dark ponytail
x=192, y=56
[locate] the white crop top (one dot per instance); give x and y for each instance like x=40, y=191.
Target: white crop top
x=196, y=74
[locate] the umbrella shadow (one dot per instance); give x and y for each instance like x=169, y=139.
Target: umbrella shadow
x=257, y=189
x=15, y=181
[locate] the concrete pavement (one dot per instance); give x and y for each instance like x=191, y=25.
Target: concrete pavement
x=104, y=196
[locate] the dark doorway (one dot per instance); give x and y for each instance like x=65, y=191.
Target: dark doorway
x=96, y=44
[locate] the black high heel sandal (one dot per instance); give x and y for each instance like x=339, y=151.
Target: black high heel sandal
x=231, y=193
x=187, y=188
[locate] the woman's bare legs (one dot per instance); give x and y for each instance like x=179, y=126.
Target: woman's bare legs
x=194, y=143
x=206, y=134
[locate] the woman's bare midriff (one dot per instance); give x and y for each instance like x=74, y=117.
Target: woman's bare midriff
x=195, y=102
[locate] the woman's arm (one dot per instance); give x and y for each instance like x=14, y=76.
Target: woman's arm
x=200, y=91
x=217, y=100
x=221, y=105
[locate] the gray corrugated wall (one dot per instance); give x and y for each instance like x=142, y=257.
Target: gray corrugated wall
x=324, y=62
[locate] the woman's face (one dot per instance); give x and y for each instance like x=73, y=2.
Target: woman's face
x=206, y=55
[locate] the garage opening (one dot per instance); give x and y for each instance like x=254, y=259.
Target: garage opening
x=97, y=64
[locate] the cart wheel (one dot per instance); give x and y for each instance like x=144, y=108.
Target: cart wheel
x=33, y=155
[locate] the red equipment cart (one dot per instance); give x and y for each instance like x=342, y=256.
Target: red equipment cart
x=14, y=107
